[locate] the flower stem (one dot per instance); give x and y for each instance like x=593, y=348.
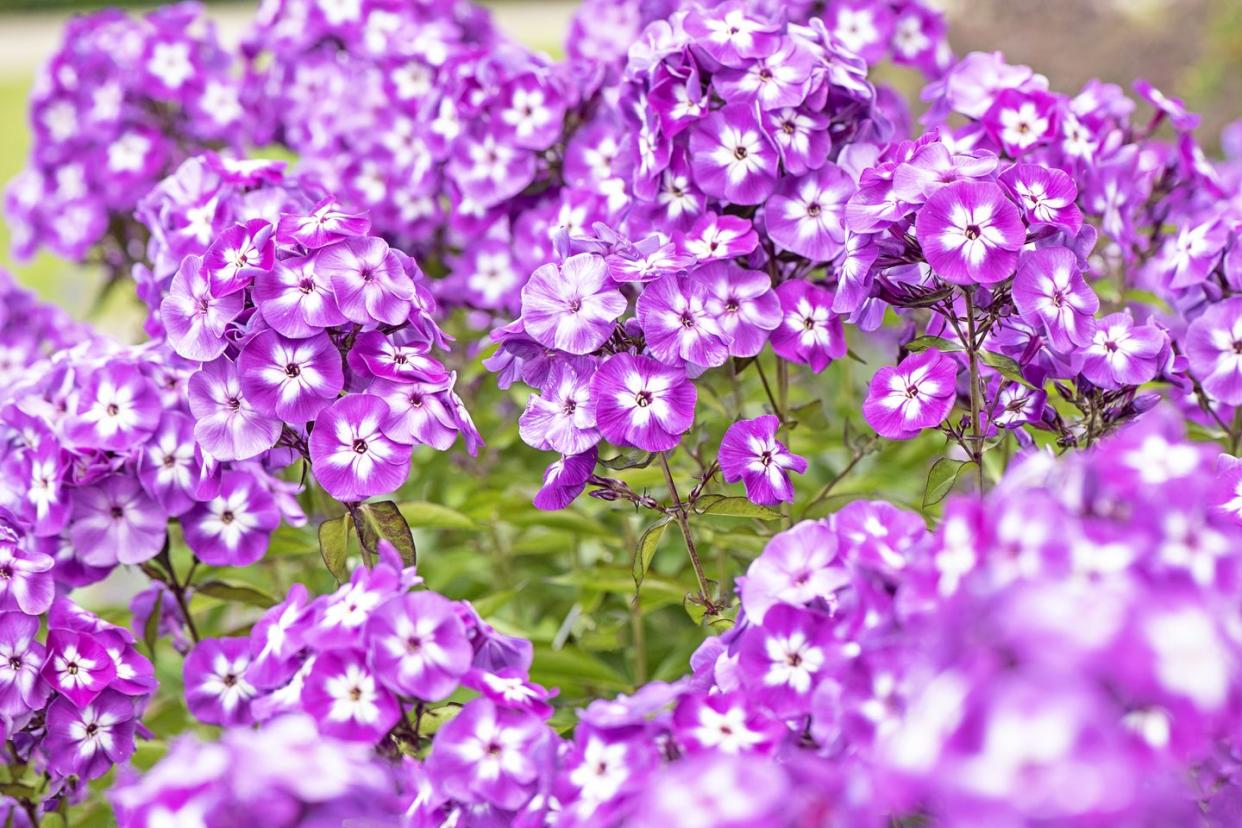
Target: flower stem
x=972, y=355
x=682, y=517
x=858, y=454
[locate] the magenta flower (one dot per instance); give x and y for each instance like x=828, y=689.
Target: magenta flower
x=26, y=581
x=168, y=469
x=418, y=646
x=807, y=215
x=716, y=237
x=775, y=81
x=971, y=233
x=290, y=379
x=728, y=723
x=216, y=689
x=232, y=529
x=118, y=408
x=1020, y=121
x=573, y=307
x=1122, y=353
x=22, y=689
x=509, y=687
x=194, y=319
x=641, y=403
x=77, y=666
x=384, y=356
x=732, y=157
x=276, y=640
x=238, y=256
x=86, y=740
x=916, y=394
x=488, y=754
x=1188, y=257
x=1047, y=196
x=781, y=659
x=1049, y=291
x=295, y=297
x=347, y=699
x=115, y=521
x=565, y=479
x=322, y=225
x=227, y=425
x=809, y=333
x=368, y=279
x=352, y=457
x=751, y=453
x=678, y=326
x=418, y=413
x=561, y=417
x=1214, y=348
x=798, y=566
x=744, y=304
x=730, y=35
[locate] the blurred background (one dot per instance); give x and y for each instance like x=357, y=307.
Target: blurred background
x=1188, y=48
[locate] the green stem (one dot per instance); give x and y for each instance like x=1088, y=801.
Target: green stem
x=972, y=354
x=683, y=521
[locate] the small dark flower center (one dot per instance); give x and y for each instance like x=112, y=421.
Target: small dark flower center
x=169, y=461
x=227, y=517
x=292, y=370
x=766, y=459
x=1110, y=346
x=643, y=399
x=204, y=304
x=117, y=512
x=740, y=153
x=494, y=749
x=569, y=407
x=113, y=410
x=233, y=403
x=6, y=572
x=355, y=693
x=92, y=729
x=72, y=668
x=15, y=663
x=1237, y=346
x=575, y=305
x=795, y=659
x=973, y=232
x=229, y=679
x=912, y=391
x=687, y=321
x=814, y=210
x=731, y=306
x=1058, y=299
x=306, y=286
x=413, y=644
x=360, y=446
x=808, y=324
x=789, y=127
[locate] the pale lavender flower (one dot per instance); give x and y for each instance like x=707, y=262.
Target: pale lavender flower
x=216, y=689
x=572, y=307
x=916, y=394
x=751, y=453
x=418, y=646
x=678, y=325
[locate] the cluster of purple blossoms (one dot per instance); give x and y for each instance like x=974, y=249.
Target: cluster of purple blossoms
x=70, y=703
x=315, y=338
x=456, y=140
x=121, y=103
x=1064, y=651
x=30, y=330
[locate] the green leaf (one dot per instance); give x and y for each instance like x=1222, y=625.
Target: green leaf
x=1007, y=367
x=334, y=545
x=639, y=460
x=647, y=545
x=151, y=629
x=571, y=668
x=420, y=514
x=237, y=593
x=18, y=791
x=739, y=507
x=941, y=479
x=384, y=521
x=947, y=346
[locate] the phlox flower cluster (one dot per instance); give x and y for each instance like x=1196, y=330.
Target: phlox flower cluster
x=30, y=330
x=455, y=139
x=119, y=105
x=315, y=338
x=72, y=687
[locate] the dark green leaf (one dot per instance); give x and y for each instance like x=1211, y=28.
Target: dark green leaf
x=334, y=545
x=151, y=629
x=941, y=479
x=947, y=346
x=423, y=515
x=1007, y=367
x=739, y=507
x=740, y=364
x=238, y=593
x=634, y=460
x=647, y=545
x=384, y=521
x=18, y=791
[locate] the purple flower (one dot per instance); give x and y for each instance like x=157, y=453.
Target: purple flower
x=276, y=640
x=115, y=521
x=26, y=580
x=565, y=479
x=806, y=215
x=194, y=318
x=716, y=237
x=85, y=740
x=561, y=417
x=731, y=35
x=22, y=689
x=238, y=255
x=368, y=279
x=916, y=394
x=320, y=226
x=352, y=457
x=751, y=453
x=727, y=723
x=1214, y=348
x=971, y=233
x=678, y=325
x=290, y=379
x=1188, y=257
x=781, y=659
x=1122, y=353
x=809, y=333
x=232, y=529
x=418, y=412
x=1049, y=291
x=418, y=646
x=641, y=403
x=510, y=687
x=386, y=356
x=227, y=425
x=1046, y=195
x=216, y=689
x=732, y=157
x=118, y=408
x=77, y=666
x=572, y=307
x=797, y=567
x=744, y=304
x=295, y=297
x=347, y=699
x=489, y=754
x=168, y=469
